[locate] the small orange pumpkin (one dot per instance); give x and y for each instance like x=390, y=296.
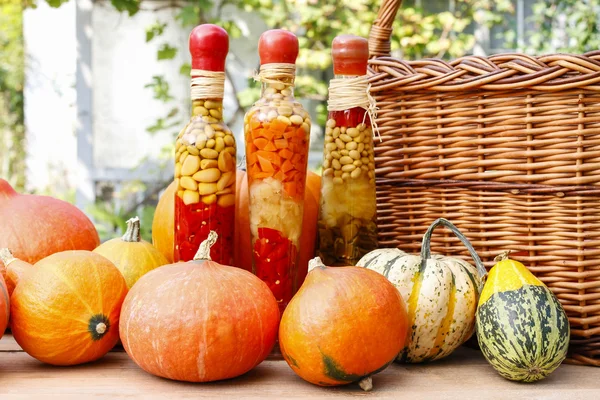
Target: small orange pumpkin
x=13, y=269
x=163, y=225
x=199, y=321
x=131, y=255
x=344, y=325
x=66, y=311
x=4, y=306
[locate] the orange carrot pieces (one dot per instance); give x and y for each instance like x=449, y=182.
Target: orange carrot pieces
x=281, y=143
x=260, y=142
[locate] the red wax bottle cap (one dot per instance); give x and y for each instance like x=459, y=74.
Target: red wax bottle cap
x=209, y=45
x=278, y=46
x=350, y=55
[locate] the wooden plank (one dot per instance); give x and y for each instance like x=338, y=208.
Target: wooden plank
x=464, y=375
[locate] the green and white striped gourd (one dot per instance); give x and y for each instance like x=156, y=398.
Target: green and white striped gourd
x=522, y=329
x=441, y=294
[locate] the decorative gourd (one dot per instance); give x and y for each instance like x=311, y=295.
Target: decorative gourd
x=199, y=321
x=344, y=325
x=132, y=256
x=66, y=311
x=33, y=227
x=163, y=226
x=13, y=269
x=441, y=294
x=4, y=306
x=522, y=329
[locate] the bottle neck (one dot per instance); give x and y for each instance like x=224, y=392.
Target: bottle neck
x=209, y=108
x=282, y=90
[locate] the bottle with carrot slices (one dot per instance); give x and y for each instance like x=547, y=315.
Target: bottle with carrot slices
x=347, y=215
x=205, y=155
x=277, y=138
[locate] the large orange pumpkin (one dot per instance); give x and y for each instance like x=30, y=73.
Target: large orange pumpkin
x=66, y=310
x=199, y=321
x=4, y=306
x=344, y=325
x=33, y=227
x=131, y=255
x=162, y=225
x=13, y=269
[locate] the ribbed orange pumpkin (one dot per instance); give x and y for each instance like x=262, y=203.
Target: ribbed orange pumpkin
x=66, y=311
x=344, y=325
x=199, y=321
x=4, y=306
x=33, y=227
x=12, y=269
x=163, y=223
x=133, y=256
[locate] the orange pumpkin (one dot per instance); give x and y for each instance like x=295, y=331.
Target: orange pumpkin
x=13, y=269
x=66, y=311
x=163, y=228
x=199, y=321
x=132, y=256
x=4, y=306
x=163, y=225
x=33, y=227
x=344, y=325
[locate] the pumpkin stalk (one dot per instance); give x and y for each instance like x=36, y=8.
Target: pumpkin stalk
x=366, y=384
x=101, y=328
x=426, y=246
x=316, y=263
x=502, y=256
x=203, y=253
x=132, y=234
x=6, y=256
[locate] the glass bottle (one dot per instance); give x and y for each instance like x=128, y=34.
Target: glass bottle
x=347, y=213
x=205, y=154
x=277, y=139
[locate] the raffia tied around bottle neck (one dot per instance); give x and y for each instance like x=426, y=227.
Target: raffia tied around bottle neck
x=276, y=73
x=347, y=93
x=207, y=84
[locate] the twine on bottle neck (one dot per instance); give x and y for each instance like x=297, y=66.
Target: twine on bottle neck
x=207, y=84
x=347, y=93
x=276, y=73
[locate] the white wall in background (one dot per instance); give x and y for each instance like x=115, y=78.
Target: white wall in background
x=50, y=47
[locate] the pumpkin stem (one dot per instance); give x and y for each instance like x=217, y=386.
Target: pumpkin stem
x=366, y=384
x=316, y=263
x=426, y=246
x=502, y=256
x=132, y=234
x=204, y=249
x=6, y=256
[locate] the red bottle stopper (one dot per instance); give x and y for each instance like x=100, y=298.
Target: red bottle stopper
x=350, y=55
x=278, y=46
x=209, y=45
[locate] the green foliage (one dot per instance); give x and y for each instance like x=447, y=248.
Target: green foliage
x=166, y=52
x=566, y=26
x=12, y=66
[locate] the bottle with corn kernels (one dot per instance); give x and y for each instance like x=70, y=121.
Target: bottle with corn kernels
x=277, y=132
x=205, y=154
x=347, y=216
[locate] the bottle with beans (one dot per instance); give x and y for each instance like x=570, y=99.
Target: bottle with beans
x=347, y=215
x=205, y=154
x=277, y=138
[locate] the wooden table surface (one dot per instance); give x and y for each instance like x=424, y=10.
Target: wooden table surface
x=463, y=375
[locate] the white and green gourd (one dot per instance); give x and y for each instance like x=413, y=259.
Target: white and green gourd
x=441, y=294
x=522, y=329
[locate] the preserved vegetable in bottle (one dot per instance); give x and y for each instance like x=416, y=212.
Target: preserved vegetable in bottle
x=205, y=154
x=347, y=214
x=277, y=138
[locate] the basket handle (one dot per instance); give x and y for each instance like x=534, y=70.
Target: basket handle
x=381, y=31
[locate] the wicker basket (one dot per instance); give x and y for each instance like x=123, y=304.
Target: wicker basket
x=508, y=149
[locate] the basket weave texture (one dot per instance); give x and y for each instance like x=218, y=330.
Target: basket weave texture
x=507, y=148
